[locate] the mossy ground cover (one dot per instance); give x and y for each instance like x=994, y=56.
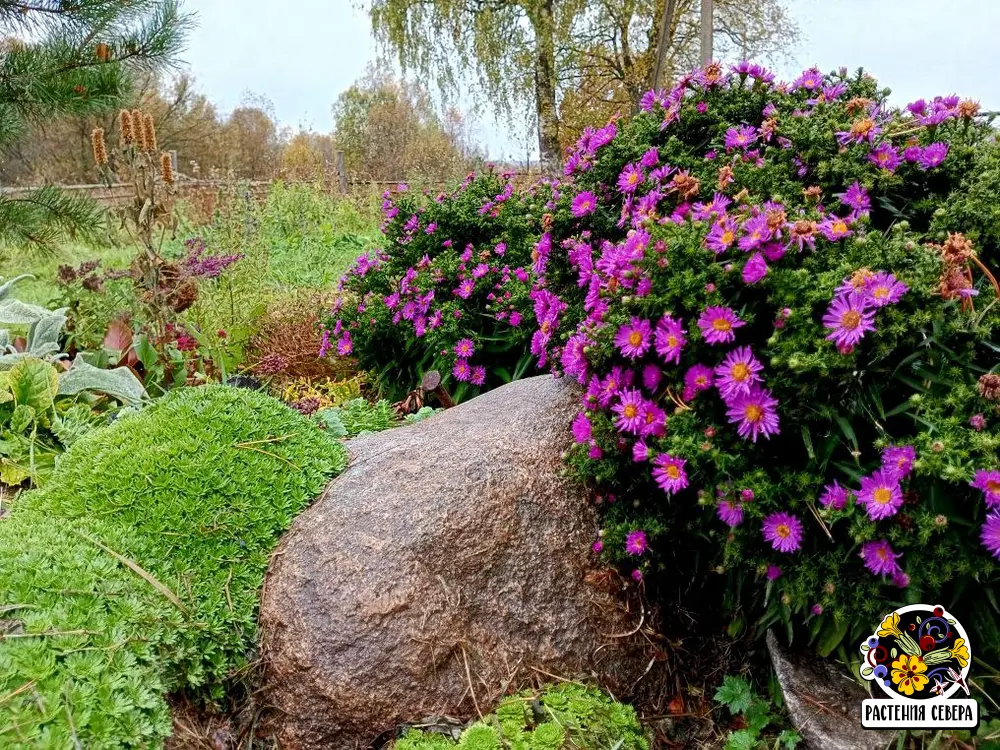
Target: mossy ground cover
x=137, y=570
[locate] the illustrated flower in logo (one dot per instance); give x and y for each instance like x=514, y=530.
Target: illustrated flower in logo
x=908, y=674
x=918, y=652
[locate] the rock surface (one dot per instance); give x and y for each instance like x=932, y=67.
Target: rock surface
x=823, y=703
x=447, y=564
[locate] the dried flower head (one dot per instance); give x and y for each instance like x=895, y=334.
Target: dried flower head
x=103, y=52
x=957, y=248
x=858, y=104
x=955, y=283
x=148, y=133
x=968, y=108
x=989, y=387
x=100, y=149
x=126, y=130
x=812, y=193
x=685, y=185
x=166, y=168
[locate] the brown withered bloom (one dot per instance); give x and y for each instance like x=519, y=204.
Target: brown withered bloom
x=725, y=177
x=776, y=220
x=66, y=274
x=103, y=52
x=685, y=185
x=125, y=127
x=100, y=149
x=968, y=108
x=166, y=168
x=184, y=295
x=857, y=104
x=93, y=283
x=80, y=90
x=955, y=283
x=989, y=387
x=812, y=193
x=713, y=73
x=547, y=220
x=768, y=128
x=148, y=133
x=957, y=248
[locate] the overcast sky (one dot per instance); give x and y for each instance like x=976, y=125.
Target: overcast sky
x=302, y=54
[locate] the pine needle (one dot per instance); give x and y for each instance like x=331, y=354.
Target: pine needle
x=135, y=568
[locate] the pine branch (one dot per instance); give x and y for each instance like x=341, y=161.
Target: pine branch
x=45, y=216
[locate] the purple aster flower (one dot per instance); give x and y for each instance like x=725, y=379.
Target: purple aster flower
x=863, y=130
x=809, y=80
x=899, y=459
x=773, y=572
x=630, y=178
x=650, y=158
x=884, y=289
x=755, y=412
x=879, y=557
x=989, y=483
x=634, y=338
x=581, y=428
x=652, y=376
x=628, y=411
x=834, y=228
x=783, y=531
x=918, y=107
x=611, y=386
x=669, y=473
x=990, y=535
x=717, y=325
x=515, y=319
x=741, y=137
x=345, y=346
x=721, y=236
x=730, y=513
x=573, y=358
x=900, y=579
x=464, y=348
x=637, y=575
x=885, y=157
x=880, y=494
x=757, y=232
x=857, y=198
x=746, y=495
x=636, y=542
x=462, y=371
x=584, y=203
x=653, y=420
x=912, y=154
x=932, y=155
x=816, y=609
x=698, y=378
x=478, y=376
x=597, y=546
x=670, y=339
x=737, y=373
x=834, y=496
x=977, y=422
x=848, y=318
x=465, y=288
x=641, y=452
x=755, y=268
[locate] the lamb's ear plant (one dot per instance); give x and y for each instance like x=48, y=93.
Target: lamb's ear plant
x=46, y=402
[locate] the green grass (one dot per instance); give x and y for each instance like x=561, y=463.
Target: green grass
x=42, y=289
x=137, y=569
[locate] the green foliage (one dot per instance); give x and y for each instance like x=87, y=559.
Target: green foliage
x=137, y=569
x=359, y=415
x=562, y=716
x=737, y=695
x=454, y=268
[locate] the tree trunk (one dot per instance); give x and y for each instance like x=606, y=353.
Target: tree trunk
x=545, y=86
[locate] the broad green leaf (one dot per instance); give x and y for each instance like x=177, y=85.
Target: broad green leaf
x=15, y=312
x=831, y=635
x=120, y=383
x=735, y=694
x=33, y=382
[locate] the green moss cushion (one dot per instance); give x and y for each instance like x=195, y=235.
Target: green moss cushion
x=137, y=569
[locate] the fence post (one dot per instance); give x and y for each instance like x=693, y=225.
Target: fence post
x=173, y=160
x=341, y=172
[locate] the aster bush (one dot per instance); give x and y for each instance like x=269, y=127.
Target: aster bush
x=788, y=362
x=449, y=290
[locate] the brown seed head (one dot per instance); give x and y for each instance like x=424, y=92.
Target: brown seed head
x=989, y=387
x=166, y=169
x=954, y=283
x=126, y=131
x=685, y=185
x=812, y=193
x=968, y=108
x=100, y=150
x=725, y=177
x=103, y=52
x=858, y=104
x=148, y=133
x=957, y=249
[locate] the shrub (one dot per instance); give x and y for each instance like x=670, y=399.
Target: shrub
x=449, y=291
x=137, y=570
x=563, y=716
x=787, y=370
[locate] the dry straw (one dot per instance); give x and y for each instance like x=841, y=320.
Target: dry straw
x=100, y=149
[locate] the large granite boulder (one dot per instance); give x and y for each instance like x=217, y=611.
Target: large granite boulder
x=824, y=704
x=448, y=564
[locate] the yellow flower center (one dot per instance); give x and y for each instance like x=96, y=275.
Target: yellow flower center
x=882, y=496
x=882, y=554
x=701, y=380
x=546, y=326
x=993, y=487
x=672, y=341
x=880, y=292
x=839, y=227
x=721, y=324
x=633, y=178
x=728, y=237
x=740, y=372
x=631, y=410
x=783, y=531
x=753, y=413
x=850, y=319
x=635, y=338
x=673, y=472
x=862, y=127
